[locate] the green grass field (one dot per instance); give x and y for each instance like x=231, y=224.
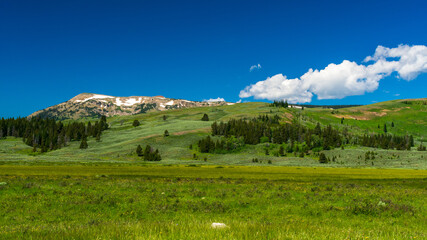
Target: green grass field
x=181, y=202
x=107, y=192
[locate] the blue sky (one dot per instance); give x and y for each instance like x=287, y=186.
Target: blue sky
x=51, y=51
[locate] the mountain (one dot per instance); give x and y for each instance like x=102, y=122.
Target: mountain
x=96, y=105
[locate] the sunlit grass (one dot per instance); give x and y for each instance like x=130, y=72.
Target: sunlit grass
x=181, y=202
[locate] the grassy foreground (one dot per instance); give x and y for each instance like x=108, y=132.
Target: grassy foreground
x=181, y=202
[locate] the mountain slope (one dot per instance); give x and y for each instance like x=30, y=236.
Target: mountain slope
x=119, y=142
x=95, y=105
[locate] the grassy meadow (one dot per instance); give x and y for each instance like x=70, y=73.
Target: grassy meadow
x=108, y=192
x=181, y=202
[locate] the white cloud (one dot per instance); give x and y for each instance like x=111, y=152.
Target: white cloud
x=348, y=78
x=240, y=100
x=397, y=94
x=254, y=67
x=276, y=87
x=215, y=100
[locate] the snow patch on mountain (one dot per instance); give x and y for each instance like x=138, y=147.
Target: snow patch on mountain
x=96, y=96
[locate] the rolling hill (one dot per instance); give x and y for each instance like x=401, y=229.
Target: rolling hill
x=119, y=142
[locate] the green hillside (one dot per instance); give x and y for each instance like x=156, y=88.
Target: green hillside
x=108, y=192
x=118, y=143
x=408, y=117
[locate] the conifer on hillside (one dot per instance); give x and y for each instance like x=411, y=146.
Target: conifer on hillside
x=205, y=117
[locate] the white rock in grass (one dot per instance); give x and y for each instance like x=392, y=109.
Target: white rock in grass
x=218, y=225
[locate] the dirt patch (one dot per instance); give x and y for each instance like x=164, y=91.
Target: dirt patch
x=289, y=116
x=192, y=131
x=353, y=117
x=377, y=114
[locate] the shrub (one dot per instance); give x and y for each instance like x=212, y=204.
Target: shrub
x=322, y=158
x=205, y=117
x=151, y=155
x=136, y=123
x=139, y=151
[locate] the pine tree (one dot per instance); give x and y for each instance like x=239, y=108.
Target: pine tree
x=392, y=124
x=318, y=129
x=103, y=123
x=157, y=156
x=205, y=117
x=166, y=134
x=385, y=128
x=281, y=151
x=147, y=153
x=98, y=137
x=83, y=144
x=165, y=117
x=89, y=129
x=139, y=151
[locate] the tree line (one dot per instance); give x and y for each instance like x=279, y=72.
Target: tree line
x=388, y=141
x=48, y=134
x=283, y=104
x=266, y=128
x=148, y=153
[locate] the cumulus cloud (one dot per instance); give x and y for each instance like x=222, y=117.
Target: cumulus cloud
x=254, y=67
x=276, y=87
x=215, y=100
x=348, y=78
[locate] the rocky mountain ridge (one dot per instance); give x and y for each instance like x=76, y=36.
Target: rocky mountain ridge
x=96, y=105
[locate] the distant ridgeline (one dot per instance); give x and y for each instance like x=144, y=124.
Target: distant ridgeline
x=97, y=105
x=285, y=104
x=47, y=134
x=267, y=129
x=327, y=106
